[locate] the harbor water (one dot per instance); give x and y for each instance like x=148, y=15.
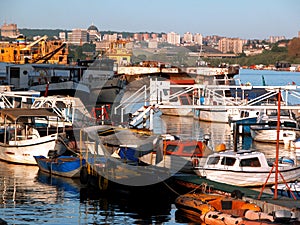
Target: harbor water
x=29, y=196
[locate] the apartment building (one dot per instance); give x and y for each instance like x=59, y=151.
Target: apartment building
x=9, y=30
x=231, y=45
x=173, y=38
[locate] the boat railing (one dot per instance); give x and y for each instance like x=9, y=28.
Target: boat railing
x=142, y=92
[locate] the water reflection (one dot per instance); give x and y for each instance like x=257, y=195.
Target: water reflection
x=29, y=196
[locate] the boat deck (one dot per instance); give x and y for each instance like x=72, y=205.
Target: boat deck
x=266, y=202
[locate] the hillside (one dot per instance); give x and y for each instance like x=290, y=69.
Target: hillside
x=30, y=33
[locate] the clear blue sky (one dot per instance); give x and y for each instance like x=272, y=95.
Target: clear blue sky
x=247, y=19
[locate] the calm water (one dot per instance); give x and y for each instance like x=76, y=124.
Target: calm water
x=31, y=197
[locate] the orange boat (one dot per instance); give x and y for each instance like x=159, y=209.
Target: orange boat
x=219, y=209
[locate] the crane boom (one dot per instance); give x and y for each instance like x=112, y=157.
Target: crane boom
x=35, y=42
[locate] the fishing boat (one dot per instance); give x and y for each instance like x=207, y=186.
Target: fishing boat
x=286, y=189
x=266, y=128
x=65, y=166
x=116, y=152
x=245, y=168
x=220, y=209
x=64, y=160
x=21, y=138
x=176, y=154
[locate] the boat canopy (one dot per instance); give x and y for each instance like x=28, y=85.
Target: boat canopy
x=15, y=113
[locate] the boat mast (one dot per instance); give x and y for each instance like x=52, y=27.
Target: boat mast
x=277, y=157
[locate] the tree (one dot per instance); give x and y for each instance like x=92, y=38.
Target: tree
x=294, y=48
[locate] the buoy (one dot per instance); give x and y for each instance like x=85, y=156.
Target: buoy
x=220, y=147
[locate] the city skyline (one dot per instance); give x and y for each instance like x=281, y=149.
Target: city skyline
x=250, y=20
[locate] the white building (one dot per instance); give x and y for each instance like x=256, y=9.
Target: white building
x=78, y=36
x=62, y=36
x=173, y=38
x=198, y=39
x=187, y=37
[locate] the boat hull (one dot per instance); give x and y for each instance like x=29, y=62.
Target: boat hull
x=248, y=178
x=66, y=166
x=283, y=190
x=22, y=152
x=270, y=135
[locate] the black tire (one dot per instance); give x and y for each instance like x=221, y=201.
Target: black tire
x=84, y=176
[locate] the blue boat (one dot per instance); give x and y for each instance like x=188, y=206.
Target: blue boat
x=66, y=166
x=283, y=190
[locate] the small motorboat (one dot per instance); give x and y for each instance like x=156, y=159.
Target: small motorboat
x=62, y=160
x=245, y=168
x=287, y=189
x=66, y=166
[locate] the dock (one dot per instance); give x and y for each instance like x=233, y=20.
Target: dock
x=266, y=202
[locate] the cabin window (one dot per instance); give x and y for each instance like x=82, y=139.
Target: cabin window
x=191, y=149
x=172, y=148
x=289, y=124
x=228, y=161
x=213, y=160
x=184, y=100
x=272, y=123
x=251, y=162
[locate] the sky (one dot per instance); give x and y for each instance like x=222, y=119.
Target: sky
x=246, y=19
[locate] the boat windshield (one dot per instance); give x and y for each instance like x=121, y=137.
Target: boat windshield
x=213, y=160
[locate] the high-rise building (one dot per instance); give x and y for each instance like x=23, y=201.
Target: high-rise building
x=9, y=30
x=78, y=37
x=231, y=45
x=198, y=39
x=274, y=39
x=187, y=37
x=173, y=38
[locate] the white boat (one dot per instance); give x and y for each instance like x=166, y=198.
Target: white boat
x=20, y=139
x=266, y=130
x=184, y=99
x=245, y=168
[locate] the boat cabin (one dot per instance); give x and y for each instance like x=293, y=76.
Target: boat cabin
x=184, y=148
x=242, y=160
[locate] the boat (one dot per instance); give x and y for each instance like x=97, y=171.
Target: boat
x=116, y=151
x=245, y=168
x=266, y=128
x=286, y=189
x=64, y=160
x=93, y=82
x=48, y=79
x=176, y=154
x=70, y=110
x=21, y=138
x=178, y=100
x=65, y=166
x=220, y=209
